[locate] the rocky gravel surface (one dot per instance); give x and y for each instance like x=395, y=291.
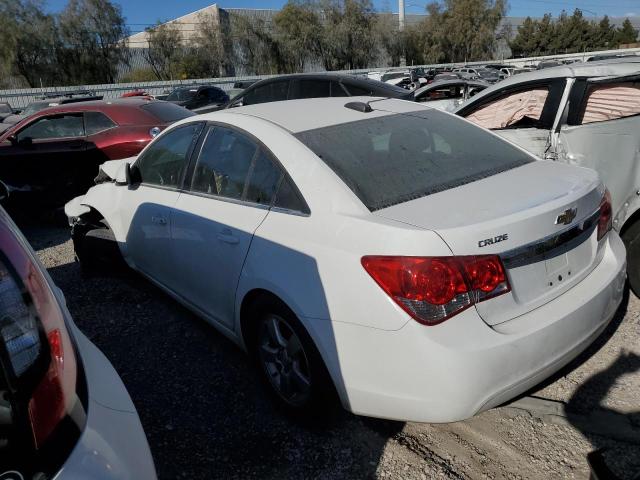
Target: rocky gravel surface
x=206, y=415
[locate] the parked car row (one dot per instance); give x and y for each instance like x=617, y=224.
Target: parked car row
x=362, y=247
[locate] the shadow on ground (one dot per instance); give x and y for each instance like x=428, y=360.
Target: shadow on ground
x=203, y=408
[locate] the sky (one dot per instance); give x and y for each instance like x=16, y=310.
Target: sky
x=142, y=13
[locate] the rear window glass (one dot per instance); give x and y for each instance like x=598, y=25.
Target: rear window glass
x=397, y=158
x=167, y=112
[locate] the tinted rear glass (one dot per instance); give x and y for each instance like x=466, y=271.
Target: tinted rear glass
x=167, y=112
x=393, y=159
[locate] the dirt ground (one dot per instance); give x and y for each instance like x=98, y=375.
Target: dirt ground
x=207, y=417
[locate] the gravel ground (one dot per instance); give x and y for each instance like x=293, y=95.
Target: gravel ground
x=206, y=415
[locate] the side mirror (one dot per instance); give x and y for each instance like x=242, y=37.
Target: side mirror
x=132, y=175
x=127, y=175
x=12, y=139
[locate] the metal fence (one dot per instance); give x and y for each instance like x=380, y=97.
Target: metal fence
x=20, y=98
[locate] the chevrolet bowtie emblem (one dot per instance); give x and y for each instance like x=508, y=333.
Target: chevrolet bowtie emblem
x=566, y=217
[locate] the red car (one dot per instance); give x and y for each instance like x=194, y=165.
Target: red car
x=53, y=155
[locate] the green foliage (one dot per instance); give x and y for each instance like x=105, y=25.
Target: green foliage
x=139, y=75
x=90, y=36
x=569, y=34
x=626, y=33
x=165, y=51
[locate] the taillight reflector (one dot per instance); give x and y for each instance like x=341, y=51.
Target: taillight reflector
x=605, y=220
x=434, y=289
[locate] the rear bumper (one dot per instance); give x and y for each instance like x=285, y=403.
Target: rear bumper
x=461, y=367
x=113, y=444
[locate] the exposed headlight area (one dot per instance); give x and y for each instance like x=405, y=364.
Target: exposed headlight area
x=39, y=375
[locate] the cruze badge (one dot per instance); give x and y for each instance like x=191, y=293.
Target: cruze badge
x=566, y=217
x=491, y=241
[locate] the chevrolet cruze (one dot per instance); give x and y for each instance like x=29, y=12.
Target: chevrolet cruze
x=420, y=267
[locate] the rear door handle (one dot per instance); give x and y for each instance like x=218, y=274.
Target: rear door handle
x=227, y=236
x=159, y=219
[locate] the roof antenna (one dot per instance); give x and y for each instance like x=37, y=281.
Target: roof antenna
x=364, y=107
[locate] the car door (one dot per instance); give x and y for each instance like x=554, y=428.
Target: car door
x=145, y=208
x=602, y=131
x=44, y=155
x=232, y=185
x=523, y=113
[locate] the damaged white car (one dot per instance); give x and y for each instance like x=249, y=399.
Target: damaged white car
x=582, y=114
x=418, y=266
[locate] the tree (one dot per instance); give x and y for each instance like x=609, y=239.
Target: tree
x=165, y=50
x=390, y=41
x=257, y=51
x=347, y=34
x=524, y=44
x=626, y=33
x=604, y=34
x=91, y=36
x=298, y=32
x=463, y=30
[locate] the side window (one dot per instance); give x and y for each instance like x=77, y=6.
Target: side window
x=288, y=198
x=612, y=101
x=166, y=159
x=516, y=109
x=224, y=163
x=271, y=92
x=96, y=122
x=337, y=90
x=358, y=91
x=310, y=89
x=58, y=126
x=263, y=181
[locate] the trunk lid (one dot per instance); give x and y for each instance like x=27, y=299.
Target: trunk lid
x=541, y=218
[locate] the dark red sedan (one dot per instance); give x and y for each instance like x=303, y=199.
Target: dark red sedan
x=54, y=154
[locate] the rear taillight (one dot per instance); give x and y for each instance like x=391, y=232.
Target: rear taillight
x=41, y=366
x=434, y=289
x=605, y=221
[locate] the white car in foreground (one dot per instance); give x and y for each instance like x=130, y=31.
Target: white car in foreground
x=423, y=267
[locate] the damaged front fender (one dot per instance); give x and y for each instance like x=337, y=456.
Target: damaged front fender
x=75, y=208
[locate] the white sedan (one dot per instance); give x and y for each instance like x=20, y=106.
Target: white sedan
x=420, y=267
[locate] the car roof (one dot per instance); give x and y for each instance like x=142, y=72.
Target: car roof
x=294, y=115
x=605, y=68
x=341, y=77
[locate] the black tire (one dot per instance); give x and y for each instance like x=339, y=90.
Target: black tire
x=321, y=400
x=96, y=248
x=631, y=239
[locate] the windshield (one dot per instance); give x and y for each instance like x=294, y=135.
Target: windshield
x=182, y=94
x=397, y=158
x=34, y=107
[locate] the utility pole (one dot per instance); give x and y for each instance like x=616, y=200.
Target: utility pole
x=401, y=14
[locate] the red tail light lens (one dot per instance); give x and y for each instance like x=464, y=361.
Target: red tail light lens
x=433, y=289
x=605, y=221
x=42, y=364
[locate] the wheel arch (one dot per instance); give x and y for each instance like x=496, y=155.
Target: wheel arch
x=247, y=330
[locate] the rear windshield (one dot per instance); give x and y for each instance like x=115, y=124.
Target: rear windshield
x=396, y=158
x=167, y=112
